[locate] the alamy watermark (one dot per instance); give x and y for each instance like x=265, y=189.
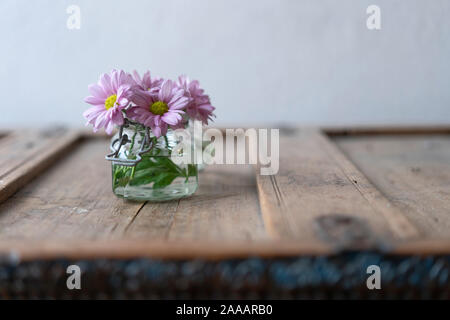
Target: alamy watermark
x=74, y=279
x=231, y=146
x=373, y=21
x=374, y=280
x=74, y=19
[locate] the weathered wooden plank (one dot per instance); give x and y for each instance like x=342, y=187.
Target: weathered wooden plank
x=225, y=207
x=17, y=147
x=413, y=172
x=71, y=200
x=398, y=222
x=25, y=154
x=314, y=182
x=74, y=200
x=317, y=202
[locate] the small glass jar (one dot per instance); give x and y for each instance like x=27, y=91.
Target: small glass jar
x=155, y=177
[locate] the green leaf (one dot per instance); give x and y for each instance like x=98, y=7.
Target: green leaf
x=167, y=163
x=164, y=179
x=192, y=170
x=160, y=170
x=121, y=176
x=137, y=181
x=153, y=167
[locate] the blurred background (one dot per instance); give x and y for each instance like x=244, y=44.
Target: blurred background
x=274, y=62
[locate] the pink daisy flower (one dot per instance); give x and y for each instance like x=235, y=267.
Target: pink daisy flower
x=108, y=97
x=199, y=107
x=146, y=83
x=160, y=109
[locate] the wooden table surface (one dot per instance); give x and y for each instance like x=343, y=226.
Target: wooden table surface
x=337, y=189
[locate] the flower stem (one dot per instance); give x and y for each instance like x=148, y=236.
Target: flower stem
x=132, y=173
x=132, y=142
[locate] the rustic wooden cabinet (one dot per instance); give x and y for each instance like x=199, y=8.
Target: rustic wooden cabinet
x=343, y=199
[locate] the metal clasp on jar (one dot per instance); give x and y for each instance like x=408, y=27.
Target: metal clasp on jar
x=146, y=146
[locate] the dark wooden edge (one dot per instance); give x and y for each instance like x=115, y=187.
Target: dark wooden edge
x=213, y=250
x=386, y=130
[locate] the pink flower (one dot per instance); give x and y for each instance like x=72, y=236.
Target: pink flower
x=199, y=107
x=146, y=83
x=159, y=109
x=108, y=97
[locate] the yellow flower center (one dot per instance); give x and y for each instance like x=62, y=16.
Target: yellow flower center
x=110, y=101
x=159, y=108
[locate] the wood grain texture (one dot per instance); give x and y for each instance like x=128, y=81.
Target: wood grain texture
x=399, y=224
x=72, y=200
x=320, y=201
x=315, y=181
x=225, y=207
x=413, y=172
x=25, y=154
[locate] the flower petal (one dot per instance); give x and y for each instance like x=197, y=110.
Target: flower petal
x=97, y=91
x=137, y=78
x=92, y=112
x=171, y=118
x=166, y=91
x=105, y=82
x=94, y=100
x=117, y=118
x=180, y=103
x=109, y=128
x=101, y=120
x=141, y=99
x=115, y=80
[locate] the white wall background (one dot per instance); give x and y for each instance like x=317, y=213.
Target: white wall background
x=262, y=61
